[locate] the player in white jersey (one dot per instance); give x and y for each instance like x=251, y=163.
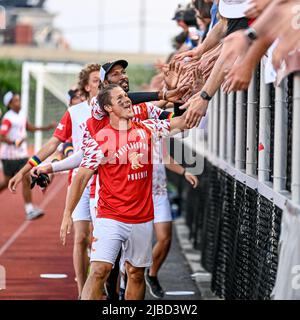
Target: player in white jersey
x=13, y=151
x=72, y=125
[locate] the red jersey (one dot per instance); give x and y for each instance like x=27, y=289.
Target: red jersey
x=126, y=193
x=142, y=111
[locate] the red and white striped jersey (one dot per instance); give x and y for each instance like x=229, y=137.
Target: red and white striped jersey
x=13, y=126
x=99, y=120
x=126, y=192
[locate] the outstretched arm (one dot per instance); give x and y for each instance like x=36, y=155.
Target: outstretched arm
x=30, y=127
x=72, y=162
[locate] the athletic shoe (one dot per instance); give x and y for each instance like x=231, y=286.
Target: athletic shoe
x=154, y=287
x=34, y=214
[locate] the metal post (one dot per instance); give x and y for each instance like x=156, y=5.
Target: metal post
x=216, y=125
x=240, y=147
x=25, y=88
x=280, y=137
x=251, y=151
x=230, y=129
x=210, y=125
x=38, y=137
x=264, y=130
x=296, y=141
x=222, y=133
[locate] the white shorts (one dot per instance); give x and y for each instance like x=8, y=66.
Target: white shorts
x=110, y=236
x=93, y=209
x=162, y=208
x=82, y=210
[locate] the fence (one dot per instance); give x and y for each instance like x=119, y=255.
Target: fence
x=245, y=219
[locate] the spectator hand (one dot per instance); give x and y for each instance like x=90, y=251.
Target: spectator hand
x=238, y=78
x=172, y=75
x=190, y=55
x=175, y=95
x=196, y=109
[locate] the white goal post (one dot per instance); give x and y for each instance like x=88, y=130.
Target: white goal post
x=44, y=93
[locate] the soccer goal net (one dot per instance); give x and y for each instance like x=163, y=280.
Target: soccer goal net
x=44, y=94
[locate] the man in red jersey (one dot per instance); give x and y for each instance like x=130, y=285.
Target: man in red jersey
x=125, y=207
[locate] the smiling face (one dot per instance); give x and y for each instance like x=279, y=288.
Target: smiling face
x=118, y=75
x=121, y=105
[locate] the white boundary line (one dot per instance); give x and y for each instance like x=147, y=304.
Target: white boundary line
x=26, y=223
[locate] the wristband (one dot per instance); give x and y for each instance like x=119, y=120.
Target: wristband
x=184, y=171
x=34, y=161
x=68, y=149
x=171, y=115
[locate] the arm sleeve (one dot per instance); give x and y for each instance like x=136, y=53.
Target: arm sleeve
x=139, y=97
x=153, y=111
x=177, y=111
x=159, y=128
x=93, y=155
x=64, y=129
x=92, y=152
x=5, y=127
x=69, y=163
x=166, y=115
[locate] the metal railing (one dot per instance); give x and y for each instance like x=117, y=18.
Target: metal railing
x=251, y=179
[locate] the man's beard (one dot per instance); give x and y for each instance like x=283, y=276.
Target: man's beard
x=124, y=85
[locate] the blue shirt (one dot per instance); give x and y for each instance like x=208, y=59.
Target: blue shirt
x=213, y=14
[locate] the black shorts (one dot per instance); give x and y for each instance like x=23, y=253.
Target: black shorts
x=11, y=167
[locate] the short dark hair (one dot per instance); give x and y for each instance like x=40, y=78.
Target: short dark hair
x=104, y=96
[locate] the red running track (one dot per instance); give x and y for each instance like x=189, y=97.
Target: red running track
x=29, y=249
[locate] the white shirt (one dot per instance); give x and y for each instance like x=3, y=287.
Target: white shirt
x=13, y=126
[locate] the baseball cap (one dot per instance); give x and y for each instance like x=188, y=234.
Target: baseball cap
x=7, y=98
x=109, y=65
x=179, y=15
x=72, y=93
x=233, y=9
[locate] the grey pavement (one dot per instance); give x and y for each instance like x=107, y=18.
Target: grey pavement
x=182, y=270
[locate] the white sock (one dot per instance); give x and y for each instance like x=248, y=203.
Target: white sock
x=28, y=207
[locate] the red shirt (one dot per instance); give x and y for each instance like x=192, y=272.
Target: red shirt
x=125, y=194
x=142, y=111
x=63, y=132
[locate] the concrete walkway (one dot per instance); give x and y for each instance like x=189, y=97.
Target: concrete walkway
x=182, y=270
